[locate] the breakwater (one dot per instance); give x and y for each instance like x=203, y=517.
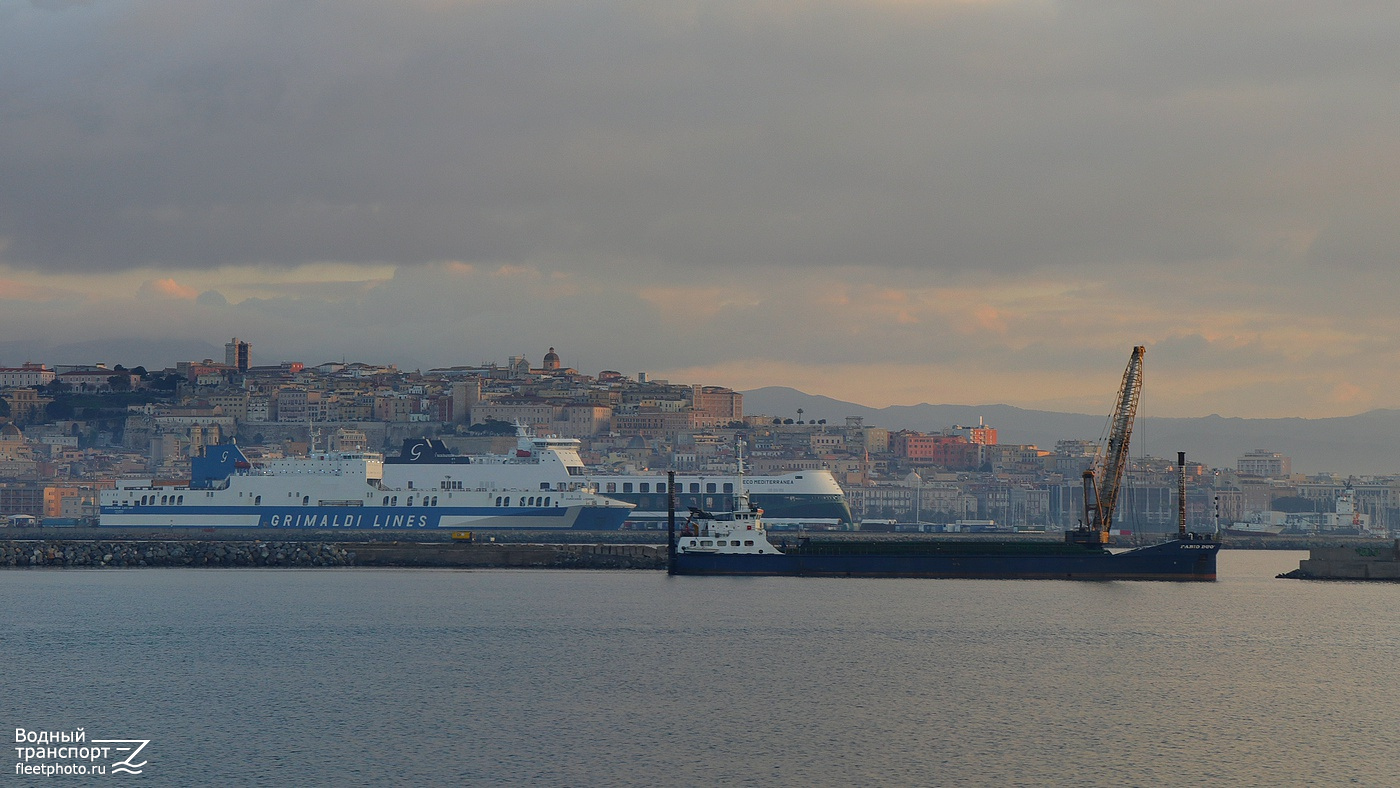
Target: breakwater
x=123, y=554
x=1350, y=562
x=130, y=553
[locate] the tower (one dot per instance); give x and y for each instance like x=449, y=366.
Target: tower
x=236, y=354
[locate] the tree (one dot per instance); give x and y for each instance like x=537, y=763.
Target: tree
x=1293, y=504
x=492, y=427
x=164, y=382
x=4, y=409
x=59, y=410
x=119, y=382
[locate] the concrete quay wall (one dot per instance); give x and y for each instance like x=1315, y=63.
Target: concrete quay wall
x=117, y=554
x=1353, y=562
x=507, y=555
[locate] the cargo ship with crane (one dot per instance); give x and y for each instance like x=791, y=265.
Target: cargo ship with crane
x=735, y=542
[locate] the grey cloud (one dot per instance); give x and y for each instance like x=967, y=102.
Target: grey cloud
x=1005, y=136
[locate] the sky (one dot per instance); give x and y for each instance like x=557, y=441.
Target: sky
x=882, y=201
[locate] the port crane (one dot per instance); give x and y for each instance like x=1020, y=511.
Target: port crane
x=1102, y=482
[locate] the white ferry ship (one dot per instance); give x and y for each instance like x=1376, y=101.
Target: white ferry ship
x=810, y=498
x=350, y=490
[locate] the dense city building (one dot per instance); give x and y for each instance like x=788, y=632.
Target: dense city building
x=54, y=452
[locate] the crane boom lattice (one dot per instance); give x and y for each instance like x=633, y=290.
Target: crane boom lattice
x=1102, y=483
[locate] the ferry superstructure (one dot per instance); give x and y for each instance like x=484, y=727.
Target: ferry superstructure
x=347, y=490
x=810, y=497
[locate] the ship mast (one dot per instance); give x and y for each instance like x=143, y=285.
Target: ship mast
x=1102, y=482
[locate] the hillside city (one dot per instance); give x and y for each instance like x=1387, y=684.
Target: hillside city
x=71, y=431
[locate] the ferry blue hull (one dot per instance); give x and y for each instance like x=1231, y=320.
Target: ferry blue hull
x=1173, y=561
x=589, y=518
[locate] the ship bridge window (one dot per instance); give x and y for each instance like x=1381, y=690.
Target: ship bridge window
x=409, y=502
x=546, y=500
x=257, y=500
x=734, y=543
x=181, y=501
x=410, y=486
x=694, y=487
x=644, y=487
x=522, y=500
x=709, y=488
x=305, y=500
x=728, y=487
x=498, y=500
x=627, y=487
x=394, y=501
x=385, y=502
x=434, y=500
x=544, y=485
x=612, y=487
x=661, y=487
x=748, y=543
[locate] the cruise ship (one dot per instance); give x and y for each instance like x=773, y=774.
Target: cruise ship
x=340, y=490
x=810, y=498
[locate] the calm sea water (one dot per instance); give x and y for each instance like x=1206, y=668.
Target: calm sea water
x=349, y=677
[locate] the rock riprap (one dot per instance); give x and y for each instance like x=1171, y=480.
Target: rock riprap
x=124, y=554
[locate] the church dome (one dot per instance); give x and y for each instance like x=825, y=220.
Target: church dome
x=551, y=359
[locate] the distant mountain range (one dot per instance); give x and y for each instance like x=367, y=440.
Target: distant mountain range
x=1364, y=444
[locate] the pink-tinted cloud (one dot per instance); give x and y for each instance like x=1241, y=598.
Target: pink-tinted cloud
x=167, y=288
x=14, y=290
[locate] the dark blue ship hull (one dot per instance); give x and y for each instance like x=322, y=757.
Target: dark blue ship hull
x=1177, y=560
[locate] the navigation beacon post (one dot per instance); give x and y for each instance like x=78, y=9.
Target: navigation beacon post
x=670, y=522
